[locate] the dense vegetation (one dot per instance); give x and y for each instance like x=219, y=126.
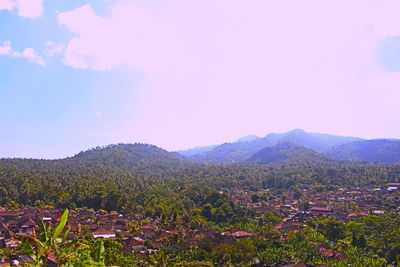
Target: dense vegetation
x=143, y=179
x=119, y=177
x=370, y=241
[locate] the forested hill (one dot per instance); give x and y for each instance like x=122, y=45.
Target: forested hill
x=243, y=149
x=290, y=154
x=124, y=157
x=379, y=150
x=120, y=176
x=133, y=156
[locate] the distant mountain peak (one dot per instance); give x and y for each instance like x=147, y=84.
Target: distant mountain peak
x=247, y=138
x=297, y=131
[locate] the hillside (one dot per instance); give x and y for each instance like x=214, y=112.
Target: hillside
x=241, y=150
x=289, y=153
x=134, y=156
x=195, y=150
x=379, y=150
x=125, y=157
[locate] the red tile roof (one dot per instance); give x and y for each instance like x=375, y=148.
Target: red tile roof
x=321, y=209
x=241, y=234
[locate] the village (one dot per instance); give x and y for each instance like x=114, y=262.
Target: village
x=144, y=236
x=344, y=204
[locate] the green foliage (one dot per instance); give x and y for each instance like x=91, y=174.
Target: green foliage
x=196, y=199
x=48, y=242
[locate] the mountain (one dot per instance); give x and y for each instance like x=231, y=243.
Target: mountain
x=195, y=150
x=248, y=138
x=289, y=153
x=132, y=156
x=378, y=150
x=126, y=157
x=241, y=150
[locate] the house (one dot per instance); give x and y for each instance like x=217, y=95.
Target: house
x=5, y=231
x=148, y=231
x=378, y=212
x=133, y=244
x=241, y=234
x=393, y=184
x=103, y=234
x=287, y=226
x=321, y=210
x=27, y=226
x=10, y=214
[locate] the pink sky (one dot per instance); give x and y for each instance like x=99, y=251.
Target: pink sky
x=215, y=70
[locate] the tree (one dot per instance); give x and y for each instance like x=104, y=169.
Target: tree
x=356, y=232
x=207, y=211
x=255, y=198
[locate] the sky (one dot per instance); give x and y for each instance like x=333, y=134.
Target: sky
x=76, y=74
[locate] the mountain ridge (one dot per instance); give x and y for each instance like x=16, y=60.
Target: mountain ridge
x=145, y=157
x=239, y=151
x=385, y=151
x=289, y=154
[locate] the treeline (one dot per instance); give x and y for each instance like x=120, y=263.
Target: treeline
x=69, y=184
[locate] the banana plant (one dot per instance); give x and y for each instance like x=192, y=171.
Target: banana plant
x=49, y=241
x=99, y=252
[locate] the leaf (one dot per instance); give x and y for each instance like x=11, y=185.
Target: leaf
x=99, y=252
x=66, y=235
x=27, y=248
x=43, y=231
x=63, y=221
x=32, y=241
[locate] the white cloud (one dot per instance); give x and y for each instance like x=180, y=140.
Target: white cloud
x=26, y=8
x=31, y=55
x=214, y=61
x=30, y=8
x=132, y=36
x=6, y=48
x=53, y=48
x=7, y=5
x=28, y=53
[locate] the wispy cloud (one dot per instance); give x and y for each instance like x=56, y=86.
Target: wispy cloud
x=53, y=48
x=6, y=48
x=26, y=8
x=28, y=53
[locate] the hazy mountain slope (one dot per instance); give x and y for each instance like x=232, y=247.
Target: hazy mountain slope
x=248, y=138
x=240, y=150
x=288, y=153
x=233, y=152
x=195, y=150
x=378, y=150
x=316, y=141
